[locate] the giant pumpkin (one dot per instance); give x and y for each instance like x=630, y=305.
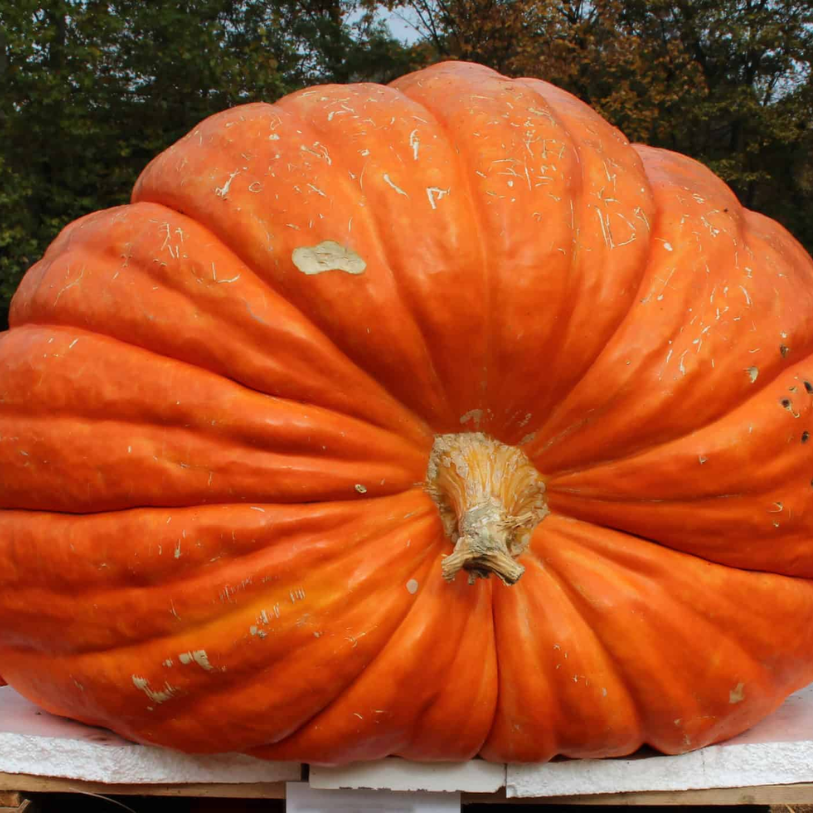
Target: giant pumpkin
x=433, y=419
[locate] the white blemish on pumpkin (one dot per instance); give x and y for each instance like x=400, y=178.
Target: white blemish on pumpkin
x=360, y=488
x=178, y=549
x=253, y=630
x=199, y=656
x=222, y=191
x=412, y=586
x=327, y=256
x=435, y=195
x=168, y=662
x=747, y=298
x=668, y=246
x=415, y=143
x=222, y=281
x=394, y=186
x=317, y=190
x=257, y=508
x=129, y=450
x=737, y=694
x=475, y=415
x=157, y=697
x=753, y=373
x=702, y=459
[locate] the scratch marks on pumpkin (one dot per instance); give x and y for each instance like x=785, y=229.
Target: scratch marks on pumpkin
x=223, y=191
x=436, y=194
x=70, y=285
x=747, y=297
x=197, y=656
x=414, y=143
x=394, y=186
x=167, y=693
x=606, y=231
x=296, y=595
x=319, y=151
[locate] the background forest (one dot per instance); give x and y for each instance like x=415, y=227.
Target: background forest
x=90, y=91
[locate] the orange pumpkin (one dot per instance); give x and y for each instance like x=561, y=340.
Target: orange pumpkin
x=268, y=430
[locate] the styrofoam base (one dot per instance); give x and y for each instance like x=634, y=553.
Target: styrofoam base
x=778, y=751
x=35, y=742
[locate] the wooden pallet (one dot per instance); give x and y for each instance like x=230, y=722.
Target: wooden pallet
x=13, y=788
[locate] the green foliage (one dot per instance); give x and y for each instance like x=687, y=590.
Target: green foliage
x=90, y=91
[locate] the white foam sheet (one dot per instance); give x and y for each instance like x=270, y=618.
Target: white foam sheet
x=35, y=742
x=778, y=751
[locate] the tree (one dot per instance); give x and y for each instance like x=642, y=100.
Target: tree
x=91, y=90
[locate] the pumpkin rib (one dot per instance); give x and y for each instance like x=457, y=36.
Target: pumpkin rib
x=224, y=617
x=30, y=289
x=543, y=624
x=353, y=747
x=535, y=86
x=550, y=453
x=577, y=603
x=168, y=462
x=203, y=687
x=633, y=563
x=226, y=239
x=421, y=569
x=61, y=585
x=386, y=254
x=713, y=420
x=479, y=221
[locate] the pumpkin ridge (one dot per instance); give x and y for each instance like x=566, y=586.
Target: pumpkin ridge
x=632, y=560
x=751, y=243
x=576, y=601
x=577, y=191
x=183, y=702
x=386, y=254
x=286, y=749
x=476, y=212
x=640, y=451
x=19, y=320
x=425, y=567
x=225, y=239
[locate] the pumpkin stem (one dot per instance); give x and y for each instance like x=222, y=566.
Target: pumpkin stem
x=490, y=498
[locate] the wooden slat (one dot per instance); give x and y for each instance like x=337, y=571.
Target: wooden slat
x=45, y=784
x=799, y=794
x=12, y=785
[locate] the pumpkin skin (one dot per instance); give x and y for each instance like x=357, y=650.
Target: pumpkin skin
x=215, y=533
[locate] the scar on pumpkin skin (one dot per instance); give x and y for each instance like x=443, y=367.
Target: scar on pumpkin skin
x=327, y=256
